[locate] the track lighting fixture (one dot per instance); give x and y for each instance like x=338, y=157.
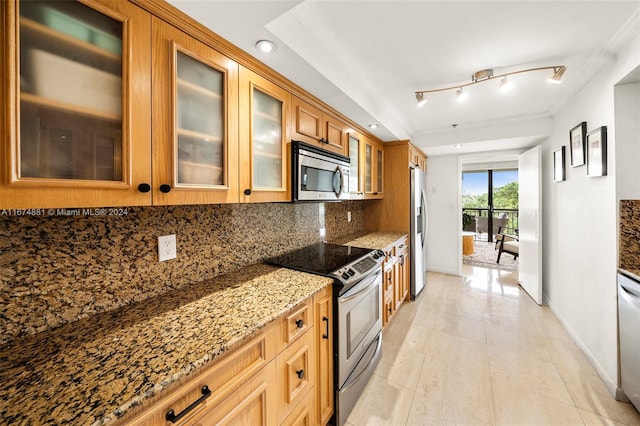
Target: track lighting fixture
x=486, y=75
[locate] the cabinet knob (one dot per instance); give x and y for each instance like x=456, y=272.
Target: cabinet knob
x=164, y=188
x=247, y=191
x=300, y=323
x=300, y=374
x=144, y=187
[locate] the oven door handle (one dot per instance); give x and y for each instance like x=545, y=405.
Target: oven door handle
x=370, y=364
x=360, y=288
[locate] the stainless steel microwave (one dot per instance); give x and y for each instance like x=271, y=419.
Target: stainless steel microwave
x=317, y=174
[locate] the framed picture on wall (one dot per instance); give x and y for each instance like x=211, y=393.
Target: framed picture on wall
x=597, y=152
x=577, y=137
x=558, y=165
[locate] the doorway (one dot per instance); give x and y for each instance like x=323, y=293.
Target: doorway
x=489, y=209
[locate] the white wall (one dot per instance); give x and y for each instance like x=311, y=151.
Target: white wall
x=445, y=220
x=580, y=225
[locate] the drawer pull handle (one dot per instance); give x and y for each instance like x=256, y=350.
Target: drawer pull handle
x=172, y=417
x=326, y=335
x=300, y=374
x=300, y=323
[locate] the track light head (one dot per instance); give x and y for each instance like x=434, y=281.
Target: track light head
x=505, y=84
x=461, y=95
x=558, y=72
x=421, y=99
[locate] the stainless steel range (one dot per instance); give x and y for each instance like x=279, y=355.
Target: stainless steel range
x=357, y=309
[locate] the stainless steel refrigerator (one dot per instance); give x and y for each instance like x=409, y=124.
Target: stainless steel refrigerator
x=418, y=232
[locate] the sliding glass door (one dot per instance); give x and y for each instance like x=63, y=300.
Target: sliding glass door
x=490, y=202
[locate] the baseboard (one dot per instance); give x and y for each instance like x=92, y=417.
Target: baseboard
x=611, y=385
x=442, y=271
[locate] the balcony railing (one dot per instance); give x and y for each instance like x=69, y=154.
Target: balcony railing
x=480, y=222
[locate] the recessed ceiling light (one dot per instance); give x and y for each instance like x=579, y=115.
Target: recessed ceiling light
x=373, y=126
x=266, y=46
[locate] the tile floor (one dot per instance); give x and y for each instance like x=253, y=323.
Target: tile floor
x=476, y=350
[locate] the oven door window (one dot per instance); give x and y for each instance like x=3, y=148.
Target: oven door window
x=320, y=180
x=361, y=318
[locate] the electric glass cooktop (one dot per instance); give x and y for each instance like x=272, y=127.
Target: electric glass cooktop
x=321, y=258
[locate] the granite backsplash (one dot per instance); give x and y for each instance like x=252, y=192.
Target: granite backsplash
x=629, y=235
x=58, y=269
x=336, y=221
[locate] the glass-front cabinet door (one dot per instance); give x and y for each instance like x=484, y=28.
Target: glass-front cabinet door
x=373, y=169
x=76, y=97
x=264, y=107
x=195, y=121
x=356, y=172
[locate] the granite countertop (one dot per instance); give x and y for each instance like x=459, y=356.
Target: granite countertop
x=93, y=371
x=373, y=240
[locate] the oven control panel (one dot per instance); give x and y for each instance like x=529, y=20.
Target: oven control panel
x=360, y=268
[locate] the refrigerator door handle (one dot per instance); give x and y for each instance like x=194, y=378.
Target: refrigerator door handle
x=423, y=218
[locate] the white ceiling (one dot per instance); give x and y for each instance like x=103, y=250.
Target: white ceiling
x=367, y=58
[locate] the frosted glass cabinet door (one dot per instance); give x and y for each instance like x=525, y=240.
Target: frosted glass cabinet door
x=368, y=165
x=379, y=170
x=355, y=174
x=195, y=120
x=267, y=141
x=264, y=110
x=70, y=92
x=75, y=95
x=200, y=133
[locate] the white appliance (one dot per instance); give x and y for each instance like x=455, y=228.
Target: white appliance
x=418, y=231
x=629, y=326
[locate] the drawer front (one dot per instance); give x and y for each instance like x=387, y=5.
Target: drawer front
x=295, y=368
x=295, y=324
x=251, y=404
x=387, y=282
x=222, y=379
x=302, y=414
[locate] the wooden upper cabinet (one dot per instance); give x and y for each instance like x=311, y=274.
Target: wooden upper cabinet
x=417, y=158
x=355, y=145
x=195, y=120
x=313, y=126
x=264, y=153
x=76, y=106
x=373, y=169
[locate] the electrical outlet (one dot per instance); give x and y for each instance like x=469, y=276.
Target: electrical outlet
x=348, y=216
x=166, y=247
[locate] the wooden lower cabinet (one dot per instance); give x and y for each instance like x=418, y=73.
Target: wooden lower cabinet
x=295, y=367
x=323, y=309
x=303, y=414
x=395, y=278
x=401, y=270
x=253, y=403
x=270, y=380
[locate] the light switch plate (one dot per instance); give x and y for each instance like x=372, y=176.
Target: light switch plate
x=166, y=247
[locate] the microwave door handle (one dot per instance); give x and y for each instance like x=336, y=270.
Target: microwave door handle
x=338, y=184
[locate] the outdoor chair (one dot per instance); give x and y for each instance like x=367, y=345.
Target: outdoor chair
x=482, y=224
x=507, y=244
